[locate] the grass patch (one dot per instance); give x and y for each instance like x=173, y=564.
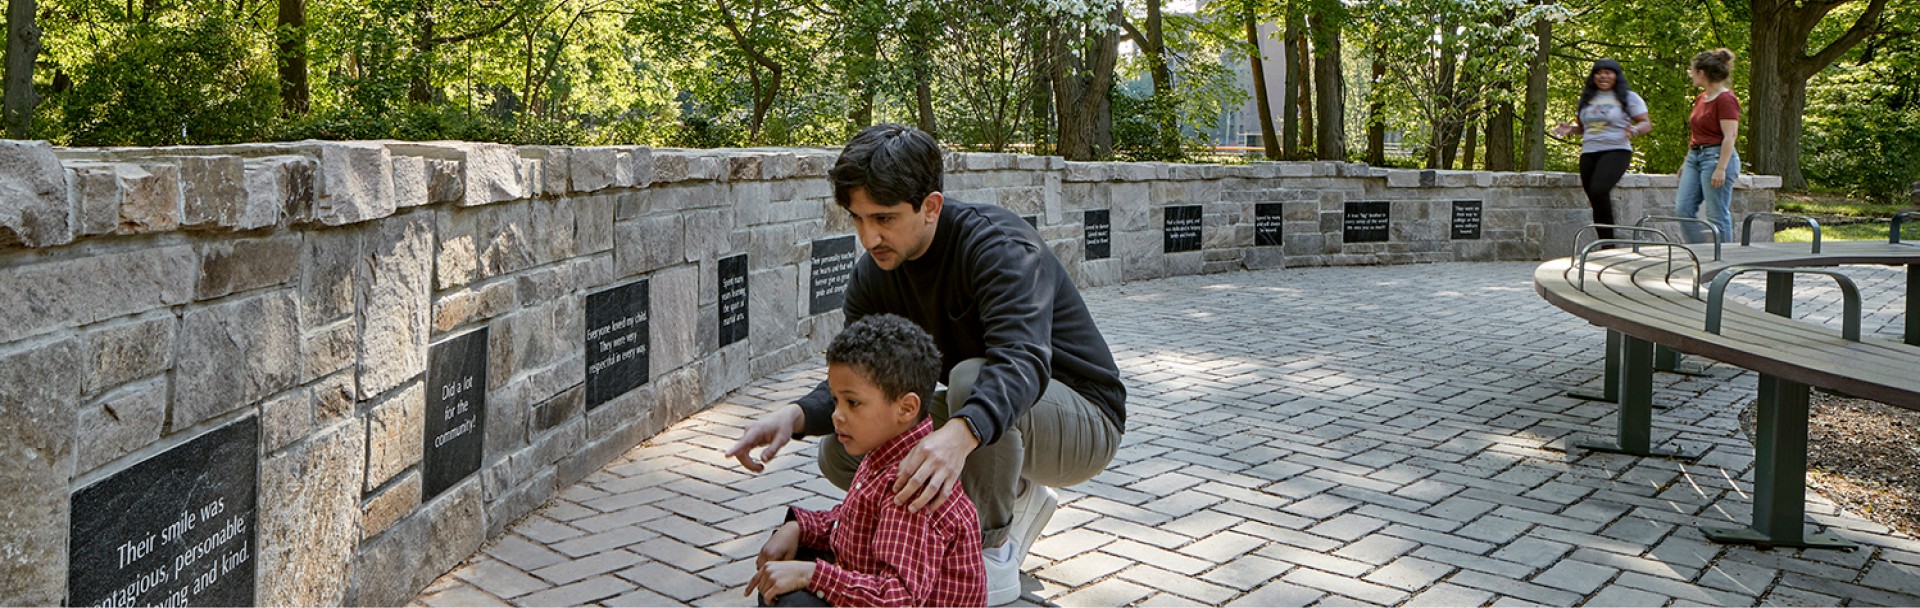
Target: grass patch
x=1834, y=206
x=1862, y=231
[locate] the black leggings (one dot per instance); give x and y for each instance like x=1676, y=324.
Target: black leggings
x=1599, y=173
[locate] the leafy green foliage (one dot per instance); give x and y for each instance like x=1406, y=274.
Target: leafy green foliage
x=1863, y=126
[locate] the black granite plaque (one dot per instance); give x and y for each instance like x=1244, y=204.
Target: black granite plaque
x=1032, y=220
x=1466, y=220
x=1268, y=219
x=617, y=342
x=1366, y=222
x=174, y=530
x=733, y=299
x=456, y=424
x=1183, y=228
x=1099, y=224
x=832, y=267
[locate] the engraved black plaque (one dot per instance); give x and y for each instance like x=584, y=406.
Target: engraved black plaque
x=617, y=342
x=456, y=422
x=1183, y=228
x=832, y=267
x=1366, y=222
x=176, y=529
x=733, y=299
x=1099, y=224
x=1466, y=220
x=1268, y=218
x=1032, y=220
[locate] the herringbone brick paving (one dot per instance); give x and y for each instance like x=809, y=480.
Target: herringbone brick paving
x=1329, y=436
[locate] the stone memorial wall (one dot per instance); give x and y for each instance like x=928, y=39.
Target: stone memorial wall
x=324, y=373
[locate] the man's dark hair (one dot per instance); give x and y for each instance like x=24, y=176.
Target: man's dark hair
x=894, y=163
x=891, y=352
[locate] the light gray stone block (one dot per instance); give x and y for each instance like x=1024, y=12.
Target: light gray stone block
x=409, y=181
x=1140, y=254
x=593, y=169
x=456, y=527
x=636, y=167
x=285, y=418
x=233, y=354
x=445, y=181
x=674, y=320
x=552, y=230
x=42, y=297
x=124, y=352
x=394, y=434
x=649, y=243
x=391, y=291
x=355, y=183
x=709, y=233
x=234, y=266
x=278, y=187
x=1131, y=207
x=593, y=217
x=213, y=190
x=329, y=349
x=382, y=569
x=41, y=385
x=120, y=423
x=149, y=198
x=556, y=168
x=33, y=196
x=773, y=310
x=476, y=244
x=94, y=195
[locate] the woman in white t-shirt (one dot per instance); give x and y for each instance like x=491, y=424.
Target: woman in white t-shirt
x=1611, y=115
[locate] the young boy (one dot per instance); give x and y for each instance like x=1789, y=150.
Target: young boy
x=871, y=551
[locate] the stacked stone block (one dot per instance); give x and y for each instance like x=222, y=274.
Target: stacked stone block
x=149, y=296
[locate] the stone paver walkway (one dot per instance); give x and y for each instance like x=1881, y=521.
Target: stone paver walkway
x=1332, y=436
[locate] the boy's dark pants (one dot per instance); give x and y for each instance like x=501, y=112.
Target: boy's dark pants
x=801, y=597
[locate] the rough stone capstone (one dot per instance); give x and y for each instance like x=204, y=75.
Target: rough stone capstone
x=233, y=354
x=356, y=183
x=33, y=196
x=213, y=190
x=94, y=195
x=409, y=181
x=149, y=198
x=277, y=187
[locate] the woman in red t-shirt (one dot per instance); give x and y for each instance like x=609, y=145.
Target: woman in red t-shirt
x=1712, y=163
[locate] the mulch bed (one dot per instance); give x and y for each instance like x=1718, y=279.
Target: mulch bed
x=1865, y=456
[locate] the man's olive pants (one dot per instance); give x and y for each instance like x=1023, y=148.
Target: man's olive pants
x=1062, y=441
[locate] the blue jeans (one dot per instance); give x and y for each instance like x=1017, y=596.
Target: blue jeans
x=1696, y=186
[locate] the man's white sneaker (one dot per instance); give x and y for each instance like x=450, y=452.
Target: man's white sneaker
x=1003, y=573
x=1033, y=507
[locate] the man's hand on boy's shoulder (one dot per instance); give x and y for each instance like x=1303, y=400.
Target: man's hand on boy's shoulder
x=929, y=471
x=779, y=578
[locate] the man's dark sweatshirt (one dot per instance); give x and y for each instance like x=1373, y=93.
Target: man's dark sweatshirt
x=989, y=287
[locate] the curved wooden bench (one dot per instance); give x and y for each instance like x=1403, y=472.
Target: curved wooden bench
x=1649, y=294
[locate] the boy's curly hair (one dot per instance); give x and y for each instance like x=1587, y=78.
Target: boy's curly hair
x=893, y=353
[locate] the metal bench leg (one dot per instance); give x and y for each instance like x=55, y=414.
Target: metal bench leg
x=1636, y=404
x=1779, y=474
x=1671, y=361
x=1610, y=379
x=1913, y=304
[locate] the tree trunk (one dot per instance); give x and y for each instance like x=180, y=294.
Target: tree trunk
x=1290, y=91
x=291, y=29
x=421, y=90
x=1041, y=41
x=1331, y=86
x=1167, y=141
x=23, y=46
x=1469, y=141
x=1256, y=62
x=1535, y=126
x=1304, y=99
x=1781, y=66
x=1081, y=84
x=861, y=81
x=1500, y=137
x=1377, y=121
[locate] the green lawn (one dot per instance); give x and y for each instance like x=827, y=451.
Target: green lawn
x=1836, y=214
x=1872, y=231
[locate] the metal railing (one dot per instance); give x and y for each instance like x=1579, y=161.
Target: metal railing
x=1595, y=229
x=1746, y=227
x=1580, y=263
x=1717, y=237
x=1850, y=314
x=1893, y=231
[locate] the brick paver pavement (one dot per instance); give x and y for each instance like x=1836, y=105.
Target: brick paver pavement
x=1334, y=436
